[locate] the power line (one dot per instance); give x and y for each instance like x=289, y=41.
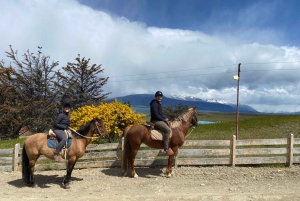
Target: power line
x=191, y=69
x=174, y=71
x=172, y=77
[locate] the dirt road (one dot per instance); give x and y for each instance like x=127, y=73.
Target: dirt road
x=189, y=183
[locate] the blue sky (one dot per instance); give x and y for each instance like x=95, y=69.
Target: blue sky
x=212, y=17
x=181, y=47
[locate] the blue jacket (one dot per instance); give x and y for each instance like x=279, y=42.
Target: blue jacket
x=156, y=111
x=62, y=121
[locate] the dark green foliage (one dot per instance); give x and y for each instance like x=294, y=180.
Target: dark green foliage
x=32, y=92
x=80, y=83
x=29, y=99
x=174, y=111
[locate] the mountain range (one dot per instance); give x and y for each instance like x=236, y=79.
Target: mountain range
x=142, y=101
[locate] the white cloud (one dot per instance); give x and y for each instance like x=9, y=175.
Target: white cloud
x=171, y=60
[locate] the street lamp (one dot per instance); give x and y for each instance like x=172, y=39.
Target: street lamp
x=237, y=77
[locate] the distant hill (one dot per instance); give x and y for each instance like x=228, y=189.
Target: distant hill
x=143, y=100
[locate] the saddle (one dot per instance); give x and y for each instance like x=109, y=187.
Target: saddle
x=52, y=139
x=155, y=134
x=52, y=135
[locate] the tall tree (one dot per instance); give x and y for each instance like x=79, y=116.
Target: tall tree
x=81, y=84
x=8, y=102
x=32, y=83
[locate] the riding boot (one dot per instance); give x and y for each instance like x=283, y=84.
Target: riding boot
x=57, y=157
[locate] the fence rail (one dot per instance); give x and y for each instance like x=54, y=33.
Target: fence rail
x=194, y=152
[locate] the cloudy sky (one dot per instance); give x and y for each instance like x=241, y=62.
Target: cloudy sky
x=181, y=47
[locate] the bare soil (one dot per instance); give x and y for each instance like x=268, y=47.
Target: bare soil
x=189, y=183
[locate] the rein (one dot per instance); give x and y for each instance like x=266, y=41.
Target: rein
x=86, y=136
x=190, y=132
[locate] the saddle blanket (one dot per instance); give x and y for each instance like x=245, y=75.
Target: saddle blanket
x=51, y=143
x=156, y=135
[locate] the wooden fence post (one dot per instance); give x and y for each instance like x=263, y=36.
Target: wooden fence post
x=233, y=151
x=16, y=157
x=122, y=154
x=290, y=150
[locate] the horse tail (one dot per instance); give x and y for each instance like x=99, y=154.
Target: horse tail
x=25, y=166
x=127, y=150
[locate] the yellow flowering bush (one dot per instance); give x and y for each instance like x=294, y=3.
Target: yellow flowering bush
x=116, y=116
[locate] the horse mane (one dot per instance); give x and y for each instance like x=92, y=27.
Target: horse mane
x=181, y=118
x=83, y=130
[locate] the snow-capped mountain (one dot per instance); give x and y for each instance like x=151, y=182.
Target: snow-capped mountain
x=142, y=100
x=241, y=106
x=218, y=101
x=186, y=98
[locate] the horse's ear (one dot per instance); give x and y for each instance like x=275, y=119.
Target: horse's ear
x=194, y=108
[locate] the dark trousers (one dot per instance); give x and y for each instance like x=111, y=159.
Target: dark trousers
x=62, y=138
x=161, y=125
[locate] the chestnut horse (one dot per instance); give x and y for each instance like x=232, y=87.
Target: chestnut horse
x=36, y=145
x=135, y=135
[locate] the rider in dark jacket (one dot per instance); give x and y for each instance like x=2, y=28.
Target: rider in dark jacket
x=160, y=121
x=61, y=124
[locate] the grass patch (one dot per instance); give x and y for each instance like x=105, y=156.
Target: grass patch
x=256, y=126
x=6, y=144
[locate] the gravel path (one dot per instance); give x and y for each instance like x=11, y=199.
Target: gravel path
x=189, y=183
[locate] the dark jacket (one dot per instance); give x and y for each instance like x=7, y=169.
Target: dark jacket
x=62, y=121
x=156, y=111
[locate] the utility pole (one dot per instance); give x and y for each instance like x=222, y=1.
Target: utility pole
x=237, y=101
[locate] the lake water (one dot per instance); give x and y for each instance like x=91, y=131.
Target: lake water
x=206, y=122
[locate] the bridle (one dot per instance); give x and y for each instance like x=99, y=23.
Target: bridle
x=194, y=113
x=99, y=132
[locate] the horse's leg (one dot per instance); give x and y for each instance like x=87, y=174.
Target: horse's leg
x=70, y=167
x=31, y=169
x=132, y=157
x=170, y=162
x=126, y=154
x=169, y=167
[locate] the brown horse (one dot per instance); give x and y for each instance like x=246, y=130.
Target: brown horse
x=136, y=135
x=36, y=145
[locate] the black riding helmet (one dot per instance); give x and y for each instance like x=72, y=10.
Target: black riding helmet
x=159, y=93
x=67, y=105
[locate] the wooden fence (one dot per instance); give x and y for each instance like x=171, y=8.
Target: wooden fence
x=194, y=152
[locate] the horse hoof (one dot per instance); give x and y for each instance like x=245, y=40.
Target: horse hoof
x=66, y=186
x=135, y=175
x=35, y=185
x=169, y=175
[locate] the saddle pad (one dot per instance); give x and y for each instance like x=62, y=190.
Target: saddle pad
x=51, y=143
x=156, y=135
